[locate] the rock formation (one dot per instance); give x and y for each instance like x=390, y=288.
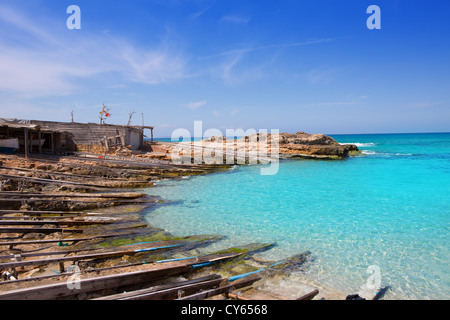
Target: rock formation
x=306, y=145
x=290, y=145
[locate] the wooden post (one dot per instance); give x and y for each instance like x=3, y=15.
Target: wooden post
x=53, y=142
x=61, y=267
x=152, y=134
x=106, y=145
x=25, y=134
x=39, y=142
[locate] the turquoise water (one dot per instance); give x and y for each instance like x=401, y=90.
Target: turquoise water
x=389, y=208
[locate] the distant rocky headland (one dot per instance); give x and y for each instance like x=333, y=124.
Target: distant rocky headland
x=286, y=145
x=304, y=145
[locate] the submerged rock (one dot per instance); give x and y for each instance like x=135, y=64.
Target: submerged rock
x=294, y=263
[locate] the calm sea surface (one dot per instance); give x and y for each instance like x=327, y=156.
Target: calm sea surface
x=388, y=208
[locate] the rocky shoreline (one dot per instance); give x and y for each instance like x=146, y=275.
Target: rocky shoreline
x=283, y=145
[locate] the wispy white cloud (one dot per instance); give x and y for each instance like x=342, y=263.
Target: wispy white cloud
x=199, y=13
x=324, y=75
x=194, y=105
x=235, y=19
x=38, y=60
x=235, y=70
x=237, y=66
x=258, y=48
x=235, y=111
x=150, y=66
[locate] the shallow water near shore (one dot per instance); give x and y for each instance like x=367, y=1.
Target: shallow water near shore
x=389, y=208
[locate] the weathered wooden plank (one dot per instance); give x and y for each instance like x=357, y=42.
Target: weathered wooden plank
x=38, y=230
x=157, y=292
x=221, y=290
x=53, y=222
x=60, y=290
x=41, y=254
x=310, y=295
x=173, y=293
x=18, y=243
x=65, y=174
x=84, y=257
x=125, y=195
x=82, y=220
x=40, y=180
x=38, y=213
x=111, y=200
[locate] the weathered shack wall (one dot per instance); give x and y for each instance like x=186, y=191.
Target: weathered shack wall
x=89, y=136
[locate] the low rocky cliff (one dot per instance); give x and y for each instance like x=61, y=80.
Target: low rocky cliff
x=306, y=145
x=287, y=145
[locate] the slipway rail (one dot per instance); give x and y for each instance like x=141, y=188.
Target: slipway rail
x=155, y=272
x=85, y=257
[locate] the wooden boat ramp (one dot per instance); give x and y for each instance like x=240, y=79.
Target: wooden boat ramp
x=73, y=227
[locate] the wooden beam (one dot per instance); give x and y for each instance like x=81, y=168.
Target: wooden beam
x=310, y=295
x=55, y=222
x=26, y=142
x=40, y=254
x=237, y=296
x=38, y=213
x=18, y=243
x=84, y=257
x=51, y=181
x=173, y=293
x=110, y=201
x=38, y=230
x=157, y=293
x=61, y=290
x=71, y=174
x=39, y=142
x=128, y=195
x=52, y=137
x=221, y=290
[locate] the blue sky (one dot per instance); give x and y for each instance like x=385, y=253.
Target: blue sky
x=287, y=65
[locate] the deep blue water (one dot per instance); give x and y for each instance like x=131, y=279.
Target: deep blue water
x=389, y=207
